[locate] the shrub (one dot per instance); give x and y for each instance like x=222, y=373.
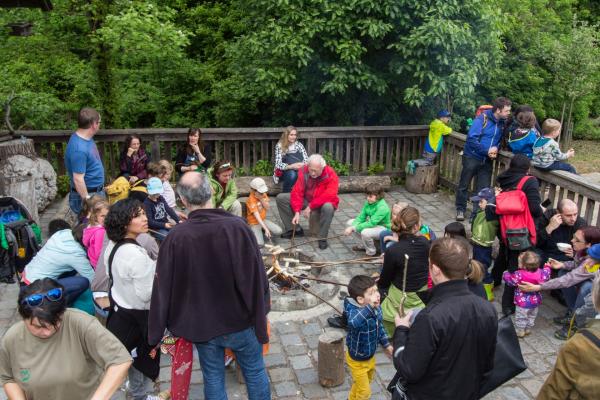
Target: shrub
x=339, y=167
x=63, y=185
x=375, y=169
x=262, y=168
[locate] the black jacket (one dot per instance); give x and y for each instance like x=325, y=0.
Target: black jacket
x=563, y=234
x=448, y=352
x=417, y=249
x=180, y=158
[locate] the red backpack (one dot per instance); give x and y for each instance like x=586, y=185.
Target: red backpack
x=516, y=223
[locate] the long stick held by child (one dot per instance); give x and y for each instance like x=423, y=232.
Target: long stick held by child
x=403, y=299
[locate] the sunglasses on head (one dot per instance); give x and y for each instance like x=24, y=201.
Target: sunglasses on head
x=226, y=165
x=37, y=299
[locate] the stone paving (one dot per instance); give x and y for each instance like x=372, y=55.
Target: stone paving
x=292, y=358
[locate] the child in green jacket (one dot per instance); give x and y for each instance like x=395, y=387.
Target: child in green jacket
x=483, y=234
x=374, y=218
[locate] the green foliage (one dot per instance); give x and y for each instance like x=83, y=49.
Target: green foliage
x=262, y=168
x=63, y=185
x=375, y=169
x=339, y=167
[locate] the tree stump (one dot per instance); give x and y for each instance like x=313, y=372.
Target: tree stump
x=424, y=180
x=331, y=359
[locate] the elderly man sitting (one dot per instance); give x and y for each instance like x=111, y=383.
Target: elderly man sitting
x=316, y=190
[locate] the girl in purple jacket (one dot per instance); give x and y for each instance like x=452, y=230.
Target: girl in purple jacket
x=527, y=303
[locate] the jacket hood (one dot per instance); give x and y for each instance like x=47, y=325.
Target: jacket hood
x=509, y=179
x=350, y=304
x=541, y=142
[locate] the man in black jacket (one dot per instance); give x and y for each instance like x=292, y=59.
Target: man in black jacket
x=211, y=289
x=448, y=352
x=558, y=226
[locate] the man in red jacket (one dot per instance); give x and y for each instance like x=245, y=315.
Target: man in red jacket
x=316, y=190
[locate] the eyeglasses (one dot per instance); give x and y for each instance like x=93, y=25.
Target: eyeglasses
x=37, y=299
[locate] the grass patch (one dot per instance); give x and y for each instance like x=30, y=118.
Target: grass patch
x=587, y=157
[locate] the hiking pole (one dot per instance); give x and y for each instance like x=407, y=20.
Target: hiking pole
x=314, y=240
x=310, y=278
x=403, y=298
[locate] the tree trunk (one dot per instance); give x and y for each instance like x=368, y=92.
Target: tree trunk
x=424, y=180
x=17, y=146
x=331, y=359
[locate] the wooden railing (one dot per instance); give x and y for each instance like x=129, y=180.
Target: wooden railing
x=556, y=185
x=359, y=147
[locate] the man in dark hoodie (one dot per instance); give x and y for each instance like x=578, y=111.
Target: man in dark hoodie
x=558, y=226
x=481, y=149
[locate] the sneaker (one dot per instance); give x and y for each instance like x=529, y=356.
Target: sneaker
x=228, y=360
x=564, y=320
x=358, y=248
x=337, y=321
x=527, y=331
x=563, y=333
x=323, y=244
x=460, y=215
x=520, y=333
x=288, y=234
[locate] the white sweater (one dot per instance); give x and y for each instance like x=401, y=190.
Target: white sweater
x=133, y=275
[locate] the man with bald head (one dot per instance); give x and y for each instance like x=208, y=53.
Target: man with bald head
x=315, y=191
x=211, y=289
x=558, y=226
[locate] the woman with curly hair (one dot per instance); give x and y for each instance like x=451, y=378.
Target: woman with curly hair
x=131, y=274
x=59, y=353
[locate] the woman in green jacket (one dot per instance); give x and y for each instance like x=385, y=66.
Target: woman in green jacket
x=224, y=189
x=374, y=218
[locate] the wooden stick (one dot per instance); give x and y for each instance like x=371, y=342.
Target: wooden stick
x=157, y=233
x=323, y=264
x=403, y=298
x=310, y=278
x=307, y=290
x=314, y=240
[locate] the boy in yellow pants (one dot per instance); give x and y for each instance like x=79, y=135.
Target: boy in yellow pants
x=365, y=331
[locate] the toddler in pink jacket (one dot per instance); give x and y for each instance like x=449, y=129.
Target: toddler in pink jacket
x=93, y=234
x=527, y=303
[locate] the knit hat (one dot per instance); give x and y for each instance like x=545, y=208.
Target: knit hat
x=520, y=163
x=594, y=251
x=155, y=186
x=444, y=113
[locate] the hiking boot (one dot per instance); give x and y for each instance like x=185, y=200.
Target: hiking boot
x=489, y=291
x=290, y=233
x=520, y=333
x=323, y=244
x=564, y=320
x=563, y=333
x=460, y=215
x=358, y=248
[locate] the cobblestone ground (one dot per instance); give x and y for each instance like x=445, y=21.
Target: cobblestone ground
x=292, y=358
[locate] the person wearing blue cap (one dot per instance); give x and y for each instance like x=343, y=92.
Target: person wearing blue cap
x=157, y=210
x=483, y=234
x=437, y=130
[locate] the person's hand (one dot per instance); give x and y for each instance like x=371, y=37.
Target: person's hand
x=297, y=165
x=403, y=321
x=529, y=287
x=569, y=252
x=571, y=153
x=306, y=212
x=181, y=215
x=267, y=233
x=296, y=219
x=168, y=225
x=195, y=148
x=133, y=179
x=555, y=264
x=348, y=231
x=387, y=238
x=389, y=351
x=555, y=222
x=130, y=151
x=497, y=190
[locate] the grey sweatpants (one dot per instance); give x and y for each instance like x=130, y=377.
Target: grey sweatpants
x=525, y=317
x=325, y=214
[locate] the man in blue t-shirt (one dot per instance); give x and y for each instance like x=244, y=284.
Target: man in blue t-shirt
x=82, y=160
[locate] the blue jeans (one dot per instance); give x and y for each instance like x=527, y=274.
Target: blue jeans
x=560, y=166
x=472, y=168
x=74, y=287
x=484, y=256
x=248, y=353
x=575, y=295
x=288, y=180
x=76, y=203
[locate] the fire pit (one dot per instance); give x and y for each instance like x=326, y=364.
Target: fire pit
x=285, y=270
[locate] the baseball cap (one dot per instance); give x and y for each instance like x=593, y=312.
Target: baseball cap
x=259, y=185
x=485, y=194
x=594, y=251
x=444, y=113
x=155, y=186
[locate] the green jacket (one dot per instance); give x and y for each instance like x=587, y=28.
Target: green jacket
x=483, y=232
x=231, y=192
x=371, y=215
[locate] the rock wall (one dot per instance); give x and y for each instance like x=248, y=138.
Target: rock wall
x=42, y=172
